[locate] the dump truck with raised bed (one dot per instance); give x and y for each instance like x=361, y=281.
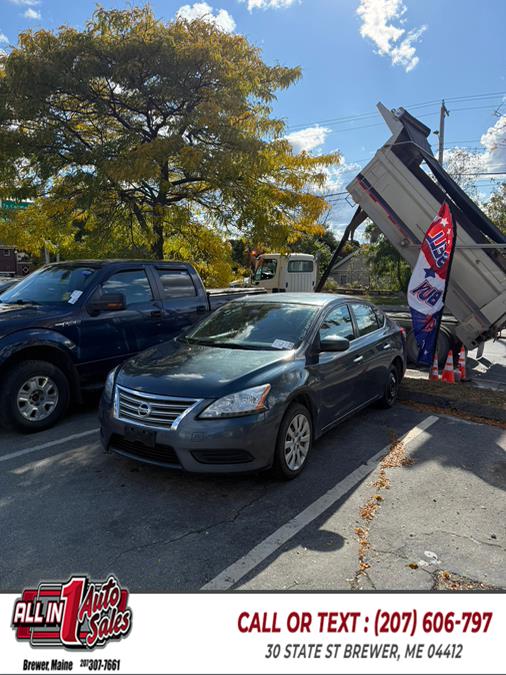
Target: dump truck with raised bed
x=400, y=190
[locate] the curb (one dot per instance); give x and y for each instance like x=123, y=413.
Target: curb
x=487, y=412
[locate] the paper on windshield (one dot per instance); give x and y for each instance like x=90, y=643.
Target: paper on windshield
x=74, y=297
x=282, y=344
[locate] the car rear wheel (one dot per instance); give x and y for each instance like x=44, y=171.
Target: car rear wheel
x=391, y=391
x=35, y=395
x=294, y=442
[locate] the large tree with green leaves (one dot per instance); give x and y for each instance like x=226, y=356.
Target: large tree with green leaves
x=496, y=207
x=167, y=123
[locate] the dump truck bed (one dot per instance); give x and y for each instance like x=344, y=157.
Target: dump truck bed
x=401, y=190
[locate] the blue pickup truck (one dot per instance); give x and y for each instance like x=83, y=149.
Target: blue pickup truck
x=64, y=327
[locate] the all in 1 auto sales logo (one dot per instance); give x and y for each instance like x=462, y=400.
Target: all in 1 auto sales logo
x=77, y=614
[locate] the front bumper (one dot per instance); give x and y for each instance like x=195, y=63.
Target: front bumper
x=234, y=445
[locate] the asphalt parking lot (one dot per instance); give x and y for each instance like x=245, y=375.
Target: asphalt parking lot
x=67, y=507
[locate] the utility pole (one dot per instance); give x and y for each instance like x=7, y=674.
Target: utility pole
x=443, y=113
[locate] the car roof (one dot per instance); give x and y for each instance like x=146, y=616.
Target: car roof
x=116, y=261
x=316, y=299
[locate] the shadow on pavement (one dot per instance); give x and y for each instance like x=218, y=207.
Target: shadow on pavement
x=477, y=448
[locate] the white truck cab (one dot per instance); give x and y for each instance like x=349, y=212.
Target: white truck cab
x=278, y=273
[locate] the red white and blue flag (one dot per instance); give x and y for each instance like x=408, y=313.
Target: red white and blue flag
x=427, y=287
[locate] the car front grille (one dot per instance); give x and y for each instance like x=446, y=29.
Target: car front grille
x=150, y=409
x=160, y=454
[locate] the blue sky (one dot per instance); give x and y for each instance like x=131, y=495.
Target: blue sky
x=353, y=53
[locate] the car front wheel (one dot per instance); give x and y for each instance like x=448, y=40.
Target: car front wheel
x=35, y=394
x=294, y=442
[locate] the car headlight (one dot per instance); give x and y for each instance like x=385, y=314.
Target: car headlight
x=109, y=383
x=246, y=402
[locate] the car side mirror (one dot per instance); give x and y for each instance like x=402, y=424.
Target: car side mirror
x=109, y=302
x=334, y=343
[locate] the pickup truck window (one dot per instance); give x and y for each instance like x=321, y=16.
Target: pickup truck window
x=176, y=284
x=365, y=318
x=133, y=284
x=50, y=285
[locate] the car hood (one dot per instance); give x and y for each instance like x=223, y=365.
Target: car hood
x=177, y=368
x=17, y=317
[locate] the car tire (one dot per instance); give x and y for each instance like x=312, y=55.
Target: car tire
x=444, y=343
x=296, y=429
x=391, y=389
x=34, y=396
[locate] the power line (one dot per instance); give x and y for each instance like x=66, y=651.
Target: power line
x=362, y=116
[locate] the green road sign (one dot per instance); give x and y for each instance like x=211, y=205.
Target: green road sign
x=9, y=204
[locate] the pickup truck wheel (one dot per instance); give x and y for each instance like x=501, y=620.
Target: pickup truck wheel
x=294, y=442
x=35, y=394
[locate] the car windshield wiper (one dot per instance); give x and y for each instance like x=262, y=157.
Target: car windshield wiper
x=203, y=343
x=231, y=345
x=20, y=301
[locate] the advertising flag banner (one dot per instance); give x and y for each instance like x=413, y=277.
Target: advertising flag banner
x=428, y=283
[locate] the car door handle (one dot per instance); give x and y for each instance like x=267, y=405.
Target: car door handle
x=387, y=346
x=358, y=359
x=155, y=314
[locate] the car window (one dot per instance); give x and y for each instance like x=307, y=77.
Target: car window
x=176, y=284
x=365, y=317
x=133, y=284
x=380, y=316
x=338, y=322
x=255, y=325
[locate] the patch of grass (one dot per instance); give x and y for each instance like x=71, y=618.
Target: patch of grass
x=457, y=392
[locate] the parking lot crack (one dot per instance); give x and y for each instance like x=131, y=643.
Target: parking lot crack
x=189, y=533
x=464, y=536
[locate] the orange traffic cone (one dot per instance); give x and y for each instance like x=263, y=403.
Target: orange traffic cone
x=434, y=371
x=462, y=364
x=448, y=374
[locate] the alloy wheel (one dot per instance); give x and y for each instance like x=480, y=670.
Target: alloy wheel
x=297, y=442
x=37, y=398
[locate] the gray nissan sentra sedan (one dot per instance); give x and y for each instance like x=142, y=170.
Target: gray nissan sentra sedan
x=254, y=384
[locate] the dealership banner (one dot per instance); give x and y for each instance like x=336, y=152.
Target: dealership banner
x=83, y=626
x=429, y=282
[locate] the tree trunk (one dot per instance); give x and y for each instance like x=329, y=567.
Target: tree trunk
x=399, y=275
x=157, y=246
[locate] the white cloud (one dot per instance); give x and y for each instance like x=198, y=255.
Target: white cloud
x=25, y=3
x=381, y=23
x=202, y=10
x=307, y=139
x=31, y=14
x=339, y=176
x=268, y=4
x=494, y=142
x=3, y=38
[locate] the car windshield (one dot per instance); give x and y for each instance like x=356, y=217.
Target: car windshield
x=50, y=285
x=255, y=325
